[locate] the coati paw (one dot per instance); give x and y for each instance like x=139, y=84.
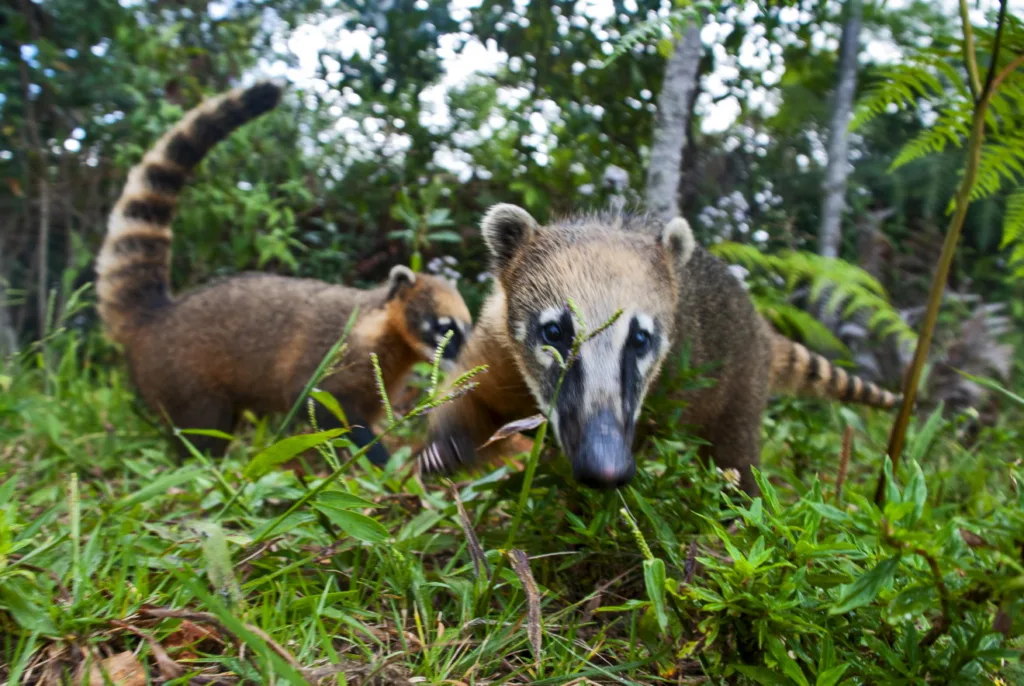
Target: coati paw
x=378, y=455
x=444, y=454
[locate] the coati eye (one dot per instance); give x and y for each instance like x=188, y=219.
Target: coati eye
x=551, y=333
x=640, y=339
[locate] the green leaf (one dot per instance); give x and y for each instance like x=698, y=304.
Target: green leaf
x=789, y=666
x=30, y=615
x=762, y=675
x=866, y=587
x=444, y=237
x=331, y=403
x=925, y=436
x=916, y=492
x=213, y=433
x=284, y=450
x=342, y=500
x=831, y=677
x=158, y=487
x=356, y=525
x=771, y=498
x=654, y=580
x=219, y=569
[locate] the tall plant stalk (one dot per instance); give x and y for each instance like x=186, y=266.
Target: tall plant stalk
x=956, y=222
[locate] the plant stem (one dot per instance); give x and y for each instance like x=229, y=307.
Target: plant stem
x=970, y=56
x=963, y=198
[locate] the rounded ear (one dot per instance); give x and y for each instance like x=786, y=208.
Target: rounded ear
x=505, y=228
x=678, y=238
x=399, y=277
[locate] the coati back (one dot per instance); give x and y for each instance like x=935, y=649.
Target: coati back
x=671, y=293
x=252, y=341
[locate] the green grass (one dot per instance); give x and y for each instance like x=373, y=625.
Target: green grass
x=108, y=545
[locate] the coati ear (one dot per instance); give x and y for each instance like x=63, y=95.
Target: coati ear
x=506, y=227
x=400, y=277
x=678, y=238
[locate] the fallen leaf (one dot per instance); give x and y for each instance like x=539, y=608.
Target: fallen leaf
x=515, y=427
x=476, y=551
x=123, y=669
x=972, y=539
x=521, y=566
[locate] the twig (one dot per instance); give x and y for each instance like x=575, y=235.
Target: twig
x=962, y=201
x=210, y=618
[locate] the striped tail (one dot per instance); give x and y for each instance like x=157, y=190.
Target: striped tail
x=133, y=267
x=797, y=370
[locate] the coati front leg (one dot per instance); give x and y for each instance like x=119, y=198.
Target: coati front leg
x=203, y=412
x=735, y=440
x=459, y=427
x=360, y=432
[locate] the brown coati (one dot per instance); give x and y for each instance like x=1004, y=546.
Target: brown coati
x=672, y=294
x=252, y=341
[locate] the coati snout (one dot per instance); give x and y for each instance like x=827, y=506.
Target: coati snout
x=627, y=290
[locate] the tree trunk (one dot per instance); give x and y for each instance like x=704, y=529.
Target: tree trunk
x=44, y=254
x=669, y=139
x=834, y=201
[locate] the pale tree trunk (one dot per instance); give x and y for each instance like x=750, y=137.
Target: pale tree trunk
x=669, y=139
x=834, y=201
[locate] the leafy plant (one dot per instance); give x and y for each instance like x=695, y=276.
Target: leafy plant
x=424, y=220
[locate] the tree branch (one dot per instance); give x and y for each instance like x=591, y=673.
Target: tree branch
x=970, y=57
x=1000, y=25
x=962, y=201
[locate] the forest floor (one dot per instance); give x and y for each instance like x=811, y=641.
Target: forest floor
x=113, y=554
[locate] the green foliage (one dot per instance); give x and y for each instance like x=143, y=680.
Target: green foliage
x=848, y=287
x=679, y=574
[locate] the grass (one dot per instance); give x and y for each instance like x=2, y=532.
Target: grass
x=113, y=554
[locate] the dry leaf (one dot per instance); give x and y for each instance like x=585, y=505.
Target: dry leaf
x=972, y=539
x=476, y=551
x=512, y=428
x=124, y=669
x=521, y=566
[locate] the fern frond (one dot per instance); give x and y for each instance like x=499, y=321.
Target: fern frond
x=901, y=86
x=652, y=29
x=849, y=288
x=1013, y=230
x=1002, y=160
x=795, y=323
x=952, y=127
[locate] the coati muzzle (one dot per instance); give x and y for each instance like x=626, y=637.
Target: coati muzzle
x=599, y=448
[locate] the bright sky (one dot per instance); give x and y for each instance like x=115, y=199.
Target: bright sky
x=756, y=53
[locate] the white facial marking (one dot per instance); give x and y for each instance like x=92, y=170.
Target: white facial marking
x=444, y=321
x=601, y=357
x=425, y=326
x=645, y=322
x=520, y=331
x=552, y=314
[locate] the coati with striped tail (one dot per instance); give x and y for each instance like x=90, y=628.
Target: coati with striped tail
x=252, y=341
x=672, y=293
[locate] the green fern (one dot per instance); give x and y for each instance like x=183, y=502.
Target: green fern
x=653, y=29
x=903, y=84
x=1013, y=231
x=849, y=288
x=951, y=128
x=1002, y=160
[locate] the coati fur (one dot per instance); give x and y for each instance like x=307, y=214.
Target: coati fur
x=672, y=293
x=252, y=341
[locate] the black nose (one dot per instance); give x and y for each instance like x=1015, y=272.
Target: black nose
x=604, y=458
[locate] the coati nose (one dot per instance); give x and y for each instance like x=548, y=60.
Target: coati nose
x=604, y=458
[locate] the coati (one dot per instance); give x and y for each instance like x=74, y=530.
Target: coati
x=672, y=293
x=252, y=341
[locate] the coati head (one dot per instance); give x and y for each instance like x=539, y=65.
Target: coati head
x=425, y=308
x=603, y=264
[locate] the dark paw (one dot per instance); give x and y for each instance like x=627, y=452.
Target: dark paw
x=362, y=437
x=445, y=453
